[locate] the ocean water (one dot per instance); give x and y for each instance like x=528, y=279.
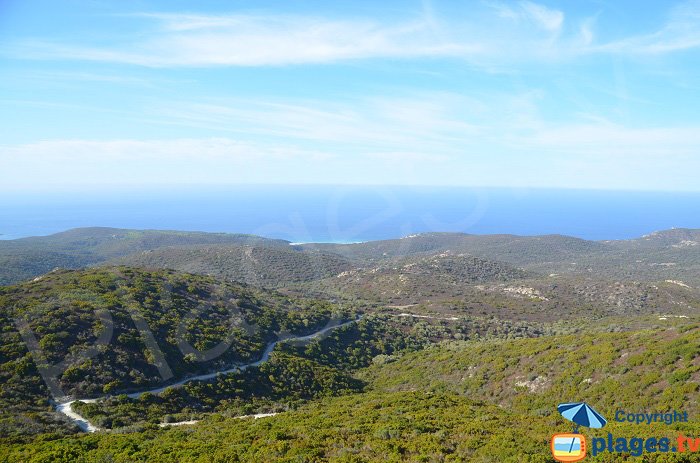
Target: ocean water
x=350, y=214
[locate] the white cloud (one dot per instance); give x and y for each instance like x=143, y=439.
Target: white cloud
x=680, y=32
x=586, y=32
x=128, y=161
x=500, y=34
x=66, y=164
x=416, y=140
x=246, y=40
x=126, y=150
x=173, y=40
x=543, y=17
x=656, y=144
x=371, y=140
x=547, y=18
x=439, y=128
x=613, y=136
x=426, y=122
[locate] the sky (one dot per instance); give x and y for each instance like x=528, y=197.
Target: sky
x=586, y=94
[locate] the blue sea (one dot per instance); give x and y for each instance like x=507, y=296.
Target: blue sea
x=351, y=214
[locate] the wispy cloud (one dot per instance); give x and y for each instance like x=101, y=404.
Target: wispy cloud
x=247, y=40
x=398, y=139
x=78, y=163
x=499, y=34
x=547, y=18
x=550, y=20
x=500, y=139
x=125, y=161
x=433, y=125
x=586, y=32
x=565, y=157
x=616, y=140
x=172, y=40
x=681, y=31
x=156, y=150
x=427, y=122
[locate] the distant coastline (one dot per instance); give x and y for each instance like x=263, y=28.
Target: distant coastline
x=341, y=214
x=301, y=243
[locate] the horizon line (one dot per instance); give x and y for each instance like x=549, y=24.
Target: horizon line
x=114, y=188
x=347, y=242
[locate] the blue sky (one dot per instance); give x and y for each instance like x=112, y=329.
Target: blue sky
x=599, y=94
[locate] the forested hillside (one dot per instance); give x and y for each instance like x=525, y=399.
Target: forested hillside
x=26, y=258
x=488, y=401
x=453, y=347
x=66, y=310
x=266, y=266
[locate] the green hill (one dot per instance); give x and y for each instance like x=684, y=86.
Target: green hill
x=670, y=254
x=62, y=310
x=26, y=258
x=666, y=255
x=488, y=401
x=518, y=250
x=267, y=266
x=395, y=428
x=466, y=346
x=653, y=369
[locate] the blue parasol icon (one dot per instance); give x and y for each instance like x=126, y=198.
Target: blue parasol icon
x=582, y=414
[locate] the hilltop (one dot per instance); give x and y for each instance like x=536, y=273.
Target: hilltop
x=517, y=250
x=671, y=254
x=266, y=266
x=26, y=258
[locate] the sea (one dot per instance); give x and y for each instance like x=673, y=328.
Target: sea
x=344, y=214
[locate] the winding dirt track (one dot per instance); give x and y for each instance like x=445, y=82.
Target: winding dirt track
x=66, y=408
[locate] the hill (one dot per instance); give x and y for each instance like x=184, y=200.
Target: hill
x=677, y=238
x=266, y=266
x=516, y=250
x=487, y=401
x=398, y=427
x=415, y=279
x=651, y=369
x=25, y=258
x=670, y=254
x=462, y=336
x=71, y=311
x=423, y=287
x=666, y=255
